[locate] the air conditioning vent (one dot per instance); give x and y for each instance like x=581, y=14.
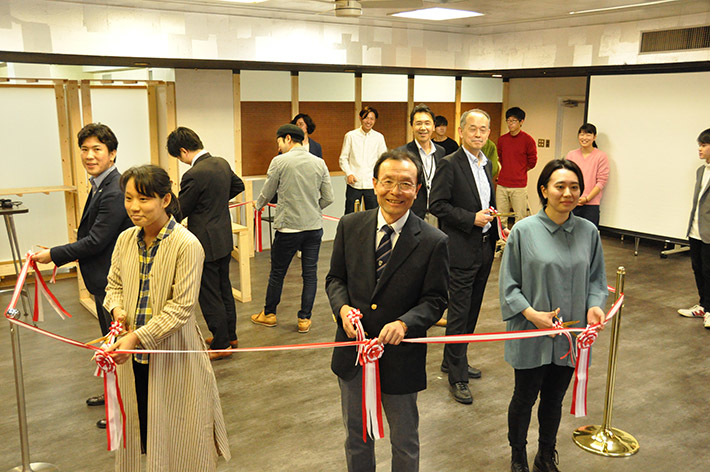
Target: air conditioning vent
x=676, y=39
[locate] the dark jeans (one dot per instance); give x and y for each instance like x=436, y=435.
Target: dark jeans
x=700, y=261
x=217, y=302
x=588, y=212
x=466, y=288
x=282, y=251
x=104, y=317
x=551, y=382
x=140, y=372
x=352, y=194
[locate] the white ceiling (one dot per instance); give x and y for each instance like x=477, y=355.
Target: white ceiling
x=499, y=15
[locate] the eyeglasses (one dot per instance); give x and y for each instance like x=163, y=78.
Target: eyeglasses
x=403, y=186
x=512, y=120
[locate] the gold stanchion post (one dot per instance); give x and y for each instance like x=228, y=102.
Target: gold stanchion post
x=603, y=439
x=358, y=204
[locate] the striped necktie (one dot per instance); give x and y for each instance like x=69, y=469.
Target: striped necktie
x=384, y=249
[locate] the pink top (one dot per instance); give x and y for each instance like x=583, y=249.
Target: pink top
x=595, y=170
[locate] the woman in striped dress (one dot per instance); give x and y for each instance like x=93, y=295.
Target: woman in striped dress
x=173, y=412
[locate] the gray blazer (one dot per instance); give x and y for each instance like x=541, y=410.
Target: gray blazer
x=704, y=216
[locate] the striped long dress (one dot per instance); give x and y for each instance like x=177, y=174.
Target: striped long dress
x=186, y=430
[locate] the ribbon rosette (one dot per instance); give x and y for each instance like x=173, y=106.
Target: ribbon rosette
x=368, y=355
x=115, y=414
x=499, y=224
x=584, y=342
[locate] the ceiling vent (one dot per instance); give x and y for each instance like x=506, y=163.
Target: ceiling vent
x=675, y=39
x=348, y=8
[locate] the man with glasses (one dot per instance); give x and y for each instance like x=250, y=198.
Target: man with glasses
x=517, y=155
x=461, y=195
x=392, y=267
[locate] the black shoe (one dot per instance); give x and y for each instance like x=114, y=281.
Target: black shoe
x=101, y=424
x=546, y=460
x=98, y=400
x=519, y=461
x=461, y=393
x=473, y=373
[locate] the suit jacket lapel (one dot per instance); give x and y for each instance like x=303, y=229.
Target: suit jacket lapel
x=465, y=167
x=365, y=237
x=406, y=243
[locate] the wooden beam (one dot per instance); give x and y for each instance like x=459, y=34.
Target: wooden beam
x=505, y=105
x=358, y=98
x=20, y=191
x=294, y=93
x=86, y=114
x=458, y=108
x=237, y=105
x=171, y=123
x=410, y=104
x=152, y=96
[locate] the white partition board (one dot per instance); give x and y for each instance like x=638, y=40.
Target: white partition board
x=434, y=88
x=31, y=158
x=326, y=87
x=265, y=86
x=648, y=126
x=384, y=88
x=481, y=90
x=125, y=111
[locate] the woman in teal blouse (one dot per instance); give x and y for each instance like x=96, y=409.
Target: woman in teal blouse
x=552, y=267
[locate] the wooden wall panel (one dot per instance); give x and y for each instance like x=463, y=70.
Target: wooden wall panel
x=392, y=122
x=260, y=120
x=333, y=120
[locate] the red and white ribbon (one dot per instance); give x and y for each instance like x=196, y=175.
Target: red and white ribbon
x=368, y=355
x=42, y=291
x=115, y=414
x=501, y=232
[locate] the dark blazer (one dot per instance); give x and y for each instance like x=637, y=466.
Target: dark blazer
x=315, y=148
x=704, y=215
x=205, y=190
x=413, y=288
x=420, y=207
x=455, y=201
x=103, y=219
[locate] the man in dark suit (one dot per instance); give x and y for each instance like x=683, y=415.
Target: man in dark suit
x=404, y=300
x=205, y=191
x=461, y=196
x=421, y=119
x=103, y=219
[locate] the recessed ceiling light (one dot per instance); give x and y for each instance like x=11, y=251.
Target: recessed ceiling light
x=621, y=7
x=438, y=14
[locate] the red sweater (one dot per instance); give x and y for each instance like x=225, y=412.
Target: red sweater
x=517, y=155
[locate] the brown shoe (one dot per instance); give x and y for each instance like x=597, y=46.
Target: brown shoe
x=264, y=320
x=304, y=325
x=441, y=322
x=215, y=356
x=233, y=344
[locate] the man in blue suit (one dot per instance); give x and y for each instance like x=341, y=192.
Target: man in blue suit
x=103, y=219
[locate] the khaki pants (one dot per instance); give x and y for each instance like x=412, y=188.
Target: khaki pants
x=512, y=199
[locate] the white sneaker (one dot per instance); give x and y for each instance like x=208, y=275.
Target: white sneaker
x=706, y=321
x=694, y=312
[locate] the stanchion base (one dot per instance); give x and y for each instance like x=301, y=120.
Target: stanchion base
x=609, y=442
x=36, y=467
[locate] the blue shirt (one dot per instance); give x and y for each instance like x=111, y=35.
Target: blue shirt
x=478, y=167
x=548, y=266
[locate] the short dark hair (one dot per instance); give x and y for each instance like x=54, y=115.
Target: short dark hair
x=550, y=168
x=704, y=137
x=183, y=138
x=397, y=155
x=310, y=125
x=152, y=181
x=99, y=131
x=516, y=113
x=440, y=121
x=588, y=128
x=366, y=111
x=421, y=108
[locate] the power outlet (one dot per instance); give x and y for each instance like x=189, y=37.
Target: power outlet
x=540, y=143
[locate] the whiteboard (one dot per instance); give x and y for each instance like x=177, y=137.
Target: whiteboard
x=648, y=125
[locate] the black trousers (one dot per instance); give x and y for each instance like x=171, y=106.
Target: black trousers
x=700, y=261
x=550, y=382
x=588, y=212
x=104, y=317
x=217, y=302
x=352, y=194
x=140, y=372
x=466, y=288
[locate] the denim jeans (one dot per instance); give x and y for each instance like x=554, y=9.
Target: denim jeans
x=282, y=251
